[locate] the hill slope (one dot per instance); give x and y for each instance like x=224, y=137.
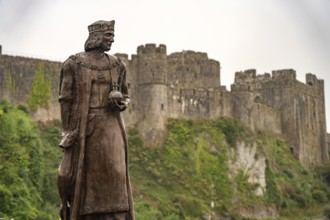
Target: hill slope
x=213, y=168
x=206, y=169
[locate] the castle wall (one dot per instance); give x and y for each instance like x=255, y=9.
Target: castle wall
x=297, y=106
x=309, y=119
x=16, y=78
x=131, y=115
x=192, y=70
x=189, y=103
x=187, y=85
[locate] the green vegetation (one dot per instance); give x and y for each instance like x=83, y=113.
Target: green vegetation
x=181, y=179
x=187, y=178
x=296, y=191
x=9, y=81
x=27, y=180
x=40, y=91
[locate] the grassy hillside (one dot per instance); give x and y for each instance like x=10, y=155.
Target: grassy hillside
x=190, y=172
x=190, y=177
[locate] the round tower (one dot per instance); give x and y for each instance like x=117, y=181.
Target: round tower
x=152, y=92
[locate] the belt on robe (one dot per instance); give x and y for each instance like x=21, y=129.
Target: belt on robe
x=98, y=109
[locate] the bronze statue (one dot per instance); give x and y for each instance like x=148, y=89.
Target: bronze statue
x=93, y=178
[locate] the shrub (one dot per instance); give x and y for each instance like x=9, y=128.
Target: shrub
x=319, y=196
x=326, y=212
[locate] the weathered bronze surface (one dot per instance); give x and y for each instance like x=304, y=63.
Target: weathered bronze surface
x=93, y=180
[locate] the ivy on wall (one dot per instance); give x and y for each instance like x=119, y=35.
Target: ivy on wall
x=39, y=95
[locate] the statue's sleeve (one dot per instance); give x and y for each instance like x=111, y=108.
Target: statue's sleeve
x=66, y=93
x=124, y=88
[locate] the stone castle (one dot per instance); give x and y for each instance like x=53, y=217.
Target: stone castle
x=187, y=85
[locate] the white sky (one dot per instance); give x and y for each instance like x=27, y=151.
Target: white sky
x=241, y=34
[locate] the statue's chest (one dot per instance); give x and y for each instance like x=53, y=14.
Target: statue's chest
x=101, y=77
x=101, y=72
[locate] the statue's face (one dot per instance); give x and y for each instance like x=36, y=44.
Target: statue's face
x=107, y=40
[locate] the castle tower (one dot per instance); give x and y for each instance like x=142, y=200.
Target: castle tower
x=281, y=104
x=317, y=114
x=302, y=115
x=152, y=92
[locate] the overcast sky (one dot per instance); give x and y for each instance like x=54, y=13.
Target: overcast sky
x=242, y=34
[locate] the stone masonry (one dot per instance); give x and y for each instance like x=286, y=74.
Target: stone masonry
x=187, y=85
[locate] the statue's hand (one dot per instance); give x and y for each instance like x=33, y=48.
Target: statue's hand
x=117, y=105
x=68, y=139
x=122, y=105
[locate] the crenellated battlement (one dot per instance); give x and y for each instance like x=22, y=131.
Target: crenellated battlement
x=190, y=69
x=151, y=49
x=284, y=74
x=246, y=76
x=188, y=57
x=122, y=55
x=313, y=81
x=251, y=78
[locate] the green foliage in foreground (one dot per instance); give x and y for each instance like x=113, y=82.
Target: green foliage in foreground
x=179, y=180
x=27, y=180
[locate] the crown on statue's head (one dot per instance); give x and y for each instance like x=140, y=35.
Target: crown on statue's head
x=101, y=26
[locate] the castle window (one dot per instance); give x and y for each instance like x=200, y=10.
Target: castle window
x=310, y=83
x=257, y=99
x=128, y=85
x=162, y=107
x=292, y=150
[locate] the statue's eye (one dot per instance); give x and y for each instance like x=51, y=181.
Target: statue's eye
x=108, y=34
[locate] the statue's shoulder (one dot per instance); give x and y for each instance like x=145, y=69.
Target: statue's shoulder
x=75, y=58
x=112, y=57
x=115, y=59
x=81, y=56
x=71, y=63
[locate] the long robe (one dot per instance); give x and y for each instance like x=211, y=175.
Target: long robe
x=93, y=176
